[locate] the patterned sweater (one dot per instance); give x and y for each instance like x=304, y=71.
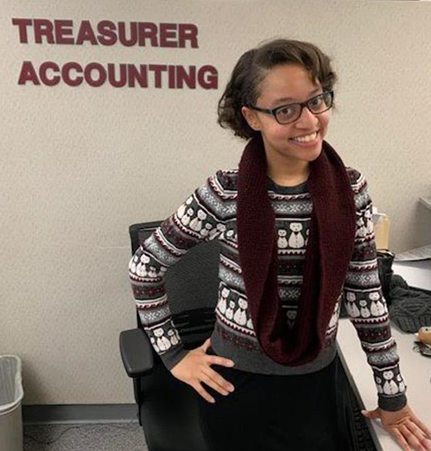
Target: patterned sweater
x=210, y=213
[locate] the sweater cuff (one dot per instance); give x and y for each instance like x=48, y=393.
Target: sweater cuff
x=173, y=356
x=392, y=403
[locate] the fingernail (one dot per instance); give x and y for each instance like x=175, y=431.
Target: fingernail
x=231, y=388
x=231, y=363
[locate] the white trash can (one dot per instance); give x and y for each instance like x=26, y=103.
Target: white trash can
x=11, y=394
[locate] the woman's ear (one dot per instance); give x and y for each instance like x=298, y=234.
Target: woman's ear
x=250, y=117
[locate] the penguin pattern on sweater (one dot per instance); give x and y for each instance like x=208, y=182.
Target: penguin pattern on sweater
x=210, y=213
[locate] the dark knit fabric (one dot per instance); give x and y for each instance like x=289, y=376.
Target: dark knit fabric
x=327, y=257
x=410, y=309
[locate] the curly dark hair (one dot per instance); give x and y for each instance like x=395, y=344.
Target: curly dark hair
x=252, y=67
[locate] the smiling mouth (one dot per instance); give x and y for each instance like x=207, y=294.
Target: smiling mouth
x=309, y=138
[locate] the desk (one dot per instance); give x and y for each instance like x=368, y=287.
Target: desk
x=415, y=368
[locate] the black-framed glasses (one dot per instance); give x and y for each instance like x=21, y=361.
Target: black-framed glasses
x=286, y=114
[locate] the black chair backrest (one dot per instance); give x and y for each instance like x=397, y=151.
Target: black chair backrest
x=191, y=284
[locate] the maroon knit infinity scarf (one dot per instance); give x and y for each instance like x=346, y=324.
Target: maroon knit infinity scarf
x=328, y=253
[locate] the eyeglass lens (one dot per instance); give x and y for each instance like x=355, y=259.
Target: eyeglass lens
x=317, y=105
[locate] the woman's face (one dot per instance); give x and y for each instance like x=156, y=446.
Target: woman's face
x=292, y=82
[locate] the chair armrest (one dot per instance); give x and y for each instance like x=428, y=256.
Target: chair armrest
x=136, y=352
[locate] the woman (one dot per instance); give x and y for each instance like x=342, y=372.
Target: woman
x=296, y=236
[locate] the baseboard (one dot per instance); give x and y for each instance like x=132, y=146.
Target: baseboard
x=79, y=413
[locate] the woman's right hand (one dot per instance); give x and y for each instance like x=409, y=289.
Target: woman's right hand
x=195, y=368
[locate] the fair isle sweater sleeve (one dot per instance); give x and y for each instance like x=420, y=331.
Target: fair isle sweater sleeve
x=197, y=220
x=366, y=306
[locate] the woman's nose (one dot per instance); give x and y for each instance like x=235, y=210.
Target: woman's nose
x=307, y=117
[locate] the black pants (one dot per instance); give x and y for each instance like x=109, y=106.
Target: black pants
x=275, y=413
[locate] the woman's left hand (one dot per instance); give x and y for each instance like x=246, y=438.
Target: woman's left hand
x=405, y=427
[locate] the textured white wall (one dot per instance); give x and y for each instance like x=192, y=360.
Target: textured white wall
x=80, y=164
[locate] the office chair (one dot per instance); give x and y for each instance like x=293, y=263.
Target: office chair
x=168, y=408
